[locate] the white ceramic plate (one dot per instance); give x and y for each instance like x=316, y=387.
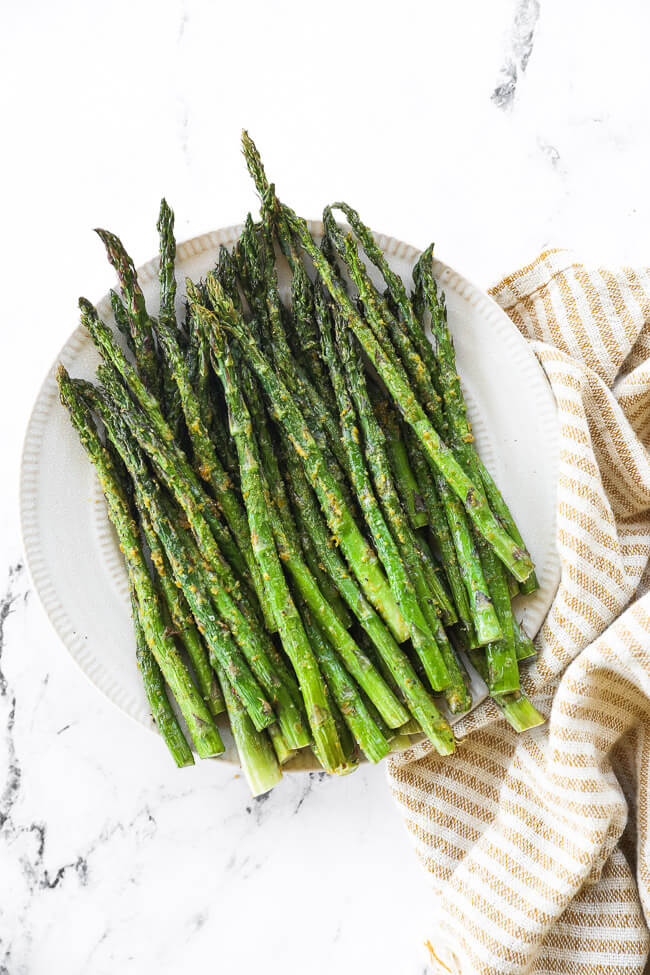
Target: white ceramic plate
x=70, y=546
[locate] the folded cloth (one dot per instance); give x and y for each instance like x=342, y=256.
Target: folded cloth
x=537, y=844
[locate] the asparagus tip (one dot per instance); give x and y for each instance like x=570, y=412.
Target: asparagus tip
x=165, y=217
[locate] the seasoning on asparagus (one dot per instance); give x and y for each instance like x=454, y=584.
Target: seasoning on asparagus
x=475, y=502
x=361, y=557
x=200, y=722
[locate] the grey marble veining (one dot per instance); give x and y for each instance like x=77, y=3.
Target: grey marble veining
x=497, y=129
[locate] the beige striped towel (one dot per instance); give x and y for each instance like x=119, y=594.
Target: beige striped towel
x=537, y=845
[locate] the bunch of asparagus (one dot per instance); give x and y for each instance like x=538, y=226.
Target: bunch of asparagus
x=313, y=544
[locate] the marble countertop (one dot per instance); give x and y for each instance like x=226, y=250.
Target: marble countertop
x=497, y=129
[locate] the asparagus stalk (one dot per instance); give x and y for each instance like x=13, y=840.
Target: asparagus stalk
x=454, y=401
x=503, y=671
x=278, y=494
x=172, y=467
x=288, y=547
x=362, y=559
x=174, y=606
x=200, y=722
x=256, y=753
x=154, y=687
x=501, y=655
x=162, y=713
x=283, y=752
x=523, y=644
x=407, y=485
x=397, y=665
x=302, y=302
x=434, y=601
x=256, y=170
x=461, y=582
x=287, y=617
x=267, y=663
x=199, y=373
x=157, y=439
x=393, y=339
x=421, y=636
x=209, y=466
x=379, y=464
x=518, y=711
x=182, y=620
x=386, y=328
x=501, y=510
x=513, y=556
x=141, y=330
x=199, y=579
x=167, y=278
x=345, y=693
x=315, y=408
x=387, y=331
x=121, y=317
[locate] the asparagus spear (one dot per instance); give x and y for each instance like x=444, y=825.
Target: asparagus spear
x=501, y=510
x=197, y=581
x=379, y=464
x=174, y=608
x=396, y=296
x=503, y=671
x=315, y=408
x=416, y=356
x=200, y=722
x=501, y=655
x=160, y=436
x=512, y=555
x=162, y=712
x=182, y=620
x=141, y=330
x=199, y=374
x=267, y=663
x=345, y=693
x=518, y=711
x=276, y=487
x=209, y=465
x=121, y=317
x=167, y=313
x=256, y=170
x=154, y=687
x=460, y=583
x=394, y=340
x=523, y=643
x=390, y=655
x=407, y=485
x=389, y=333
x=434, y=602
x=359, y=554
x=302, y=303
x=288, y=547
x=262, y=295
x=256, y=754
x=421, y=636
x=401, y=353
x=172, y=467
x=286, y=614
x=283, y=752
x=427, y=295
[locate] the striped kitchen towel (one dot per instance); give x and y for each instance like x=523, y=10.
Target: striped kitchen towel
x=537, y=845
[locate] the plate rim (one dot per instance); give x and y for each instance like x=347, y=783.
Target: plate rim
x=47, y=396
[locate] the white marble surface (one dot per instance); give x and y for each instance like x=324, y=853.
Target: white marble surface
x=496, y=128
